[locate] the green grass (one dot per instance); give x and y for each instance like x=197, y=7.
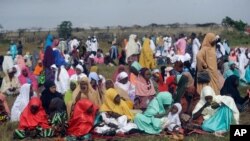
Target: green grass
x=8, y=128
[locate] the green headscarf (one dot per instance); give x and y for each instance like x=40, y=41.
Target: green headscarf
x=136, y=65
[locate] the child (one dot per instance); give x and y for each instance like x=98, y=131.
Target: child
x=174, y=123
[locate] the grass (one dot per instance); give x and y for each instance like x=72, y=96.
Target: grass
x=107, y=71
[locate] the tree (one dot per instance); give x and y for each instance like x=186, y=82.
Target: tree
x=64, y=29
x=229, y=22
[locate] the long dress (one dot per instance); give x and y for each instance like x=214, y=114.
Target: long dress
x=146, y=121
x=206, y=60
x=146, y=57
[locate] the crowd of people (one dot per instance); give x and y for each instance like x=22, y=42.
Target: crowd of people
x=178, y=86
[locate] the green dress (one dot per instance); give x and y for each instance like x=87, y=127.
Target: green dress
x=147, y=122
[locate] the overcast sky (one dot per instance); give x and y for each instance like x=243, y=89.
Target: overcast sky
x=16, y=14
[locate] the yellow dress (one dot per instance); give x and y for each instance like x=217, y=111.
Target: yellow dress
x=146, y=57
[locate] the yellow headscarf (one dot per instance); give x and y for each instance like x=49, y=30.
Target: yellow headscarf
x=109, y=105
x=94, y=69
x=146, y=58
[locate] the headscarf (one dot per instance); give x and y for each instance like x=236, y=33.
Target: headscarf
x=92, y=95
x=47, y=96
x=136, y=65
x=181, y=87
x=122, y=89
x=59, y=60
x=49, y=41
x=79, y=67
x=190, y=79
x=120, y=69
x=38, y=69
x=31, y=121
x=5, y=104
x=230, y=89
x=146, y=56
x=109, y=105
x=174, y=119
x=132, y=47
x=81, y=122
x=171, y=84
x=55, y=43
x=49, y=58
x=23, y=79
x=226, y=100
x=20, y=61
x=156, y=106
x=21, y=102
x=94, y=76
x=144, y=88
x=94, y=69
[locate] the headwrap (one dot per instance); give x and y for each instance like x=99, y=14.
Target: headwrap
x=79, y=67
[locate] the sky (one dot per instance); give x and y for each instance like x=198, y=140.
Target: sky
x=15, y=14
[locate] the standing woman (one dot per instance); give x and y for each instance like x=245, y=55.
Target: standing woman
x=145, y=90
x=132, y=50
x=206, y=60
x=147, y=56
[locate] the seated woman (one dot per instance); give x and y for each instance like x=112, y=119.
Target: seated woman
x=121, y=68
x=94, y=81
x=22, y=100
x=39, y=68
x=33, y=121
x=134, y=72
x=4, y=110
x=79, y=74
x=216, y=110
x=58, y=116
x=144, y=89
x=154, y=119
x=124, y=87
x=115, y=114
x=27, y=77
x=171, y=84
x=10, y=84
x=82, y=120
x=48, y=94
x=68, y=95
x=83, y=90
x=99, y=58
x=232, y=70
x=230, y=88
x=161, y=85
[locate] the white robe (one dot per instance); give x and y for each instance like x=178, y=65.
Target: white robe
x=243, y=61
x=8, y=63
x=122, y=123
x=63, y=84
x=20, y=103
x=195, y=48
x=174, y=119
x=152, y=46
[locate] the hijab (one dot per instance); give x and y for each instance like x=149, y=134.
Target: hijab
x=82, y=122
x=47, y=95
x=230, y=88
x=109, y=105
x=31, y=121
x=29, y=79
x=182, y=82
x=174, y=119
x=21, y=102
x=156, y=106
x=226, y=100
x=132, y=47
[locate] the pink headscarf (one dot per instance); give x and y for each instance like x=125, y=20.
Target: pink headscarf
x=55, y=43
x=23, y=79
x=20, y=61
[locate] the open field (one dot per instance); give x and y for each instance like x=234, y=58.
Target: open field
x=237, y=39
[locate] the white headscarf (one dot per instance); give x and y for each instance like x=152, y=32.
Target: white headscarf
x=174, y=119
x=132, y=47
x=21, y=102
x=79, y=67
x=208, y=112
x=119, y=77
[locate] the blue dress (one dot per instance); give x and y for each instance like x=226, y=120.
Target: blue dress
x=220, y=121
